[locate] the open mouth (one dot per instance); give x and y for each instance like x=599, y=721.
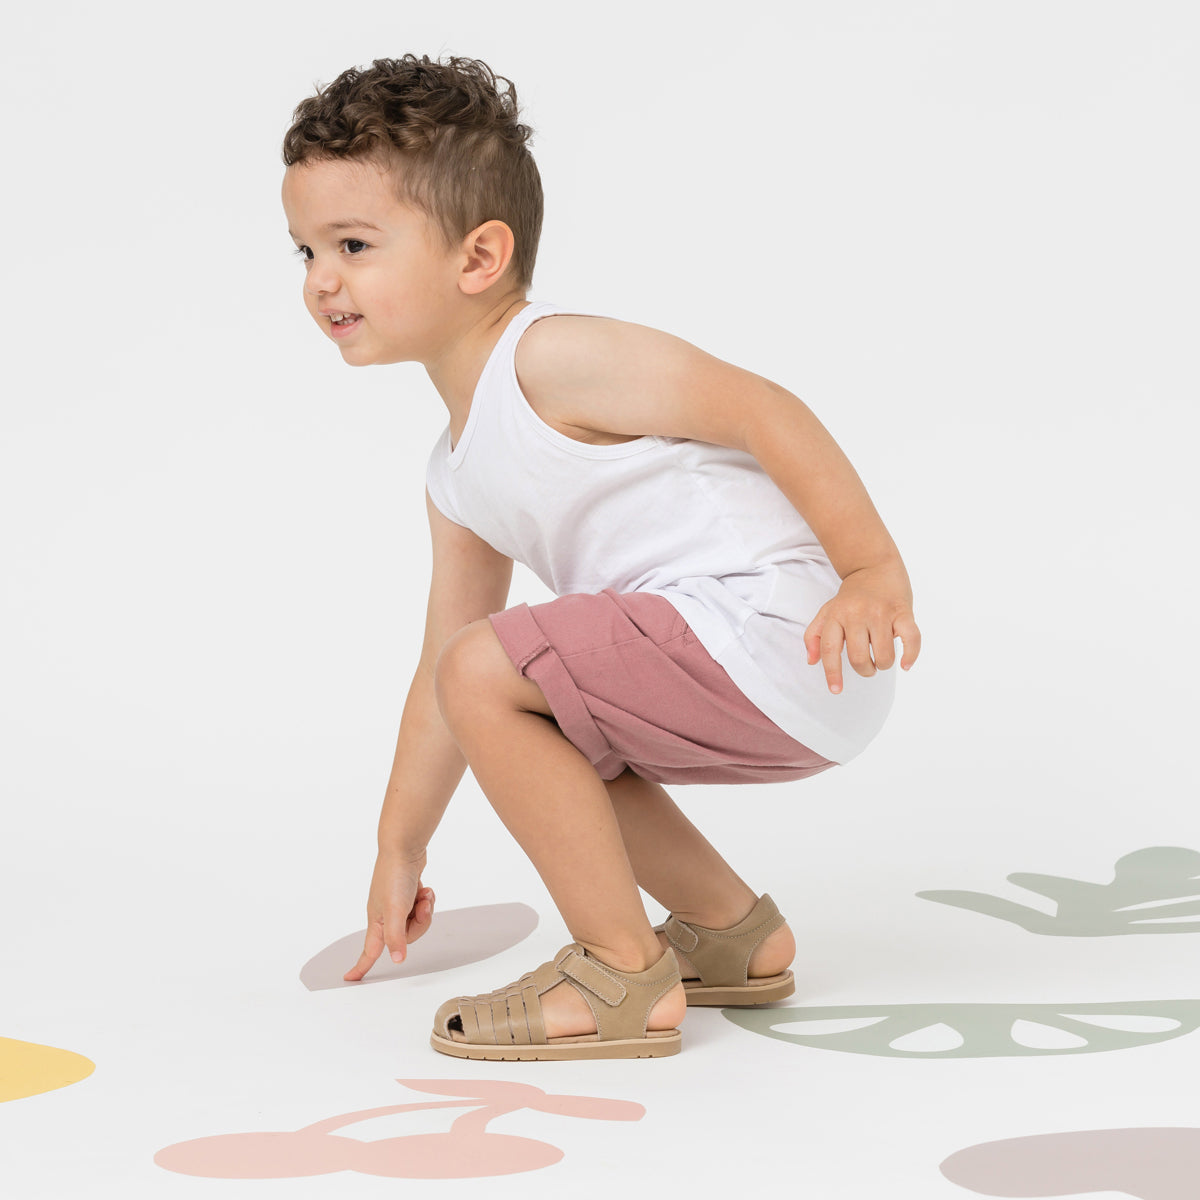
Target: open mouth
x=342, y=323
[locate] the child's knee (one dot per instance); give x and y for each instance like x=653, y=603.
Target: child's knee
x=474, y=670
x=460, y=665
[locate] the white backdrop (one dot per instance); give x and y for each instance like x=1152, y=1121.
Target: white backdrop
x=964, y=232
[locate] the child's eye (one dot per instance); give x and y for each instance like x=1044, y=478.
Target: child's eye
x=304, y=252
x=354, y=246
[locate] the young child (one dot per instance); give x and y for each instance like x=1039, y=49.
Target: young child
x=708, y=543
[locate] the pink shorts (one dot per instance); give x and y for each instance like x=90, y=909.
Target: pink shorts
x=631, y=686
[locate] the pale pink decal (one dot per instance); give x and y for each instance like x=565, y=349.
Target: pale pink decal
x=1149, y=1164
x=457, y=937
x=465, y=1151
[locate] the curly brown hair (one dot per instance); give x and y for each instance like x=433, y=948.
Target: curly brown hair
x=448, y=133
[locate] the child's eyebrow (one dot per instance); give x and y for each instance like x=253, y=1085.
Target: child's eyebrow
x=349, y=223
x=335, y=226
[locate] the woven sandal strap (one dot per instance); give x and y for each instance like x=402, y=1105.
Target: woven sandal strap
x=510, y=1016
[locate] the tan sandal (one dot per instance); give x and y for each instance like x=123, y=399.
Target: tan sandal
x=722, y=956
x=506, y=1025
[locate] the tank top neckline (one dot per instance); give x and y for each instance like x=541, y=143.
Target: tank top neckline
x=512, y=331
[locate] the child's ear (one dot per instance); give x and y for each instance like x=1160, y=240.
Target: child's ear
x=487, y=249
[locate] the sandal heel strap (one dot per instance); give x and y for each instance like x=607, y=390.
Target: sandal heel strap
x=629, y=1016
x=722, y=956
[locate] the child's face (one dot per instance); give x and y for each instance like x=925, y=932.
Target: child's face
x=378, y=279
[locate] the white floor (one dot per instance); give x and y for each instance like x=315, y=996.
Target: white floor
x=174, y=966
x=214, y=564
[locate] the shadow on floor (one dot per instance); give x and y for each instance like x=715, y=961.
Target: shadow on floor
x=456, y=937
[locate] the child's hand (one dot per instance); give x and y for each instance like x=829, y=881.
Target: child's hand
x=873, y=607
x=399, y=910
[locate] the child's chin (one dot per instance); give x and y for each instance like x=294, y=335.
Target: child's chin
x=355, y=358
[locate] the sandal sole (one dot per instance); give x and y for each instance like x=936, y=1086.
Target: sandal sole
x=563, y=1049
x=777, y=987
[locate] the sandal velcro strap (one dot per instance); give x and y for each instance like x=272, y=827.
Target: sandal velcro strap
x=683, y=937
x=591, y=975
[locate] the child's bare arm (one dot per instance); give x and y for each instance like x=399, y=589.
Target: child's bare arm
x=597, y=375
x=469, y=580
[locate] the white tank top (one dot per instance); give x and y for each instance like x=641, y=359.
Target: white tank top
x=702, y=525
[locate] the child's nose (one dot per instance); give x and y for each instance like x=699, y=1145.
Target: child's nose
x=320, y=279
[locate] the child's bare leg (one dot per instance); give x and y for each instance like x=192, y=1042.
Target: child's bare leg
x=553, y=802
x=683, y=871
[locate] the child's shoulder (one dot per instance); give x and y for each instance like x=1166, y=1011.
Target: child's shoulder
x=564, y=364
x=599, y=379
x=570, y=351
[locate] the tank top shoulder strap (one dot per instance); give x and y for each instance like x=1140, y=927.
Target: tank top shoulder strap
x=496, y=370
x=496, y=388
x=506, y=347
x=531, y=313
x=526, y=317
x=500, y=363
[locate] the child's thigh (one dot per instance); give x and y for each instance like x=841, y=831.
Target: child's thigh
x=630, y=685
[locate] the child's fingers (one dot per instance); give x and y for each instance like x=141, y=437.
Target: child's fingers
x=372, y=949
x=858, y=650
x=910, y=637
x=395, y=934
x=832, y=640
x=812, y=638
x=421, y=917
x=883, y=646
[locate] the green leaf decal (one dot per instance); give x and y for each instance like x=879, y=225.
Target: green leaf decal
x=1156, y=890
x=986, y=1030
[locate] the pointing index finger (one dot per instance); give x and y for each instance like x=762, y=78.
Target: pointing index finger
x=832, y=640
x=366, y=960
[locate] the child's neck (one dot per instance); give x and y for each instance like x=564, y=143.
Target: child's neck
x=456, y=373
